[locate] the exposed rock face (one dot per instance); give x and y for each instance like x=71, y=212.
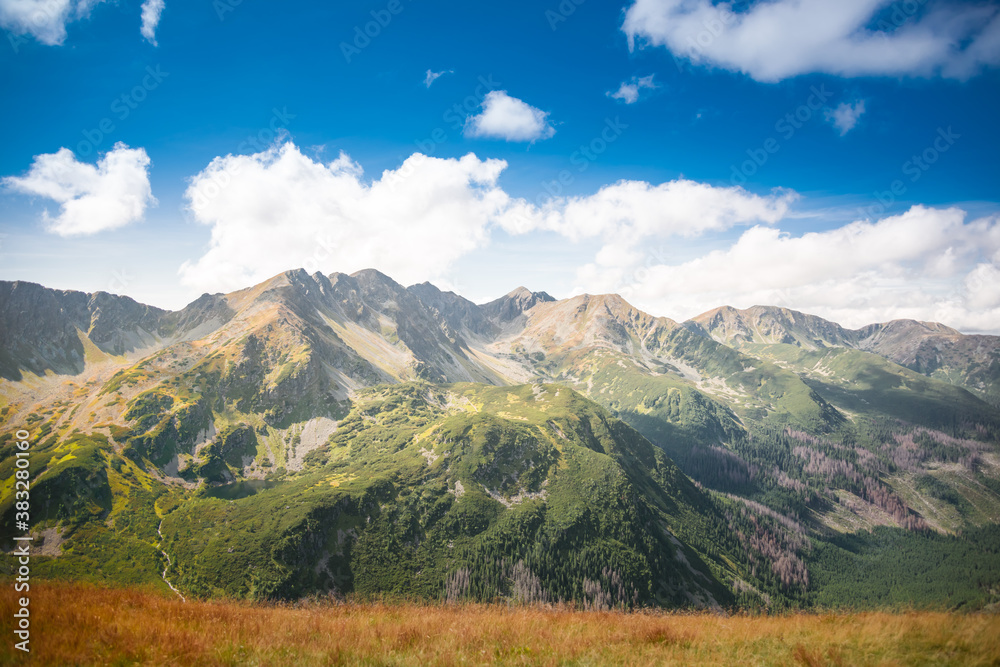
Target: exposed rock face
x=39, y=327
x=769, y=324
x=910, y=343
x=459, y=314
x=119, y=325
x=326, y=336
x=200, y=317
x=512, y=305
x=263, y=388
x=606, y=321
x=930, y=348
x=383, y=299
x=971, y=361
x=37, y=333
x=230, y=446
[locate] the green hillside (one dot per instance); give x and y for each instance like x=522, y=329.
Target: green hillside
x=346, y=436
x=864, y=383
x=462, y=491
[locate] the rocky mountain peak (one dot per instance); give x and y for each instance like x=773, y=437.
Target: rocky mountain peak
x=769, y=324
x=513, y=304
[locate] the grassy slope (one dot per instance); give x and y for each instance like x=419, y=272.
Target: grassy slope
x=461, y=477
x=868, y=387
x=865, y=383
x=110, y=505
x=418, y=483
x=76, y=624
x=685, y=419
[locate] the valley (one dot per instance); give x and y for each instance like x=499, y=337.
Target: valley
x=349, y=437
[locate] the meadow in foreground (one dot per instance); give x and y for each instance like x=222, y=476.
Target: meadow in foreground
x=74, y=624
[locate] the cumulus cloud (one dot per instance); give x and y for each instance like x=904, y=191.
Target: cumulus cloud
x=280, y=209
x=506, y=117
x=151, y=10
x=628, y=216
x=629, y=91
x=845, y=116
x=982, y=287
x=45, y=20
x=92, y=198
x=431, y=77
x=925, y=264
x=630, y=211
x=776, y=40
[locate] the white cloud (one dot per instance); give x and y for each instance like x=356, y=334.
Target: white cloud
x=45, y=20
x=982, y=285
x=926, y=264
x=506, y=117
x=629, y=217
x=776, y=40
x=629, y=91
x=92, y=198
x=151, y=10
x=279, y=209
x=630, y=211
x=845, y=116
x=431, y=77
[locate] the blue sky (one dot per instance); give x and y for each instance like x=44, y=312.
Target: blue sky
x=834, y=159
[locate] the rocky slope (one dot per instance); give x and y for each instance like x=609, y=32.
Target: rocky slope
x=929, y=348
x=278, y=397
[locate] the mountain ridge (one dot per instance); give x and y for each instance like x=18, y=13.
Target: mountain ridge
x=504, y=308
x=319, y=403
x=119, y=325
x=930, y=348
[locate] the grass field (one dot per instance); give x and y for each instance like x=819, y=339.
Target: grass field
x=76, y=624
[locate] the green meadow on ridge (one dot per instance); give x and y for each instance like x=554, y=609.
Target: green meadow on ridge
x=345, y=436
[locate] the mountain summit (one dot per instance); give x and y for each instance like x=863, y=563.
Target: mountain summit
x=930, y=348
x=343, y=433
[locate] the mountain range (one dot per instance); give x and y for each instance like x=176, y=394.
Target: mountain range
x=343, y=434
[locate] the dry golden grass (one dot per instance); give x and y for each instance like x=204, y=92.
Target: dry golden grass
x=75, y=624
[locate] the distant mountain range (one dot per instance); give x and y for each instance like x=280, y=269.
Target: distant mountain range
x=930, y=348
x=343, y=433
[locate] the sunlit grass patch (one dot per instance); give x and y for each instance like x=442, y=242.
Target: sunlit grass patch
x=80, y=624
